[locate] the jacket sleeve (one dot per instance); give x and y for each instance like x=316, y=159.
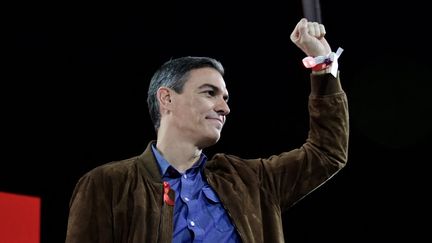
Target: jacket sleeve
x=90, y=214
x=292, y=175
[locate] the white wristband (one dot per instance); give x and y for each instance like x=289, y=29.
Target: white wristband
x=321, y=62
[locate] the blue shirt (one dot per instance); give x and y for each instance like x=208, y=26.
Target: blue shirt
x=198, y=213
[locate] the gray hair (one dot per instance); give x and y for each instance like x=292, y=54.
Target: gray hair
x=173, y=74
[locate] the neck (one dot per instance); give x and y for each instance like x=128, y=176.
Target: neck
x=180, y=154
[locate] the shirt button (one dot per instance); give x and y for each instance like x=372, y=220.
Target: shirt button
x=186, y=199
x=192, y=223
x=185, y=176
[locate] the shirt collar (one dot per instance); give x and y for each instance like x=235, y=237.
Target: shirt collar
x=164, y=165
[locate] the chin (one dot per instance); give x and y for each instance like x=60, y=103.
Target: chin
x=209, y=141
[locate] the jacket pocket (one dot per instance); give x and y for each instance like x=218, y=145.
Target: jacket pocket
x=214, y=206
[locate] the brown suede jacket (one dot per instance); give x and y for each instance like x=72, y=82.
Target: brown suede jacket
x=122, y=201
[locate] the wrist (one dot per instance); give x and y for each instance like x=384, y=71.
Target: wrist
x=323, y=64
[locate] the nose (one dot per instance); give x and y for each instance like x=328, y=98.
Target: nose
x=222, y=107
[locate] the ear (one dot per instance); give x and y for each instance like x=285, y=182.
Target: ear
x=164, y=98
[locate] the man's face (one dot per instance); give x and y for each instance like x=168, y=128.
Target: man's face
x=200, y=111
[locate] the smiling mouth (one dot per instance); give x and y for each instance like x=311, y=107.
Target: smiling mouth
x=216, y=119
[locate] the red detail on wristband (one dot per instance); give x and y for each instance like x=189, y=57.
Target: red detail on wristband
x=167, y=199
x=320, y=67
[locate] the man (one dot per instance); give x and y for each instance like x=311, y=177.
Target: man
x=173, y=193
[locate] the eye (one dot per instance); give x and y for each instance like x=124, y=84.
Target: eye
x=210, y=92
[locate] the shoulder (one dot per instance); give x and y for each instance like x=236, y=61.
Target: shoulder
x=229, y=162
x=114, y=170
x=112, y=180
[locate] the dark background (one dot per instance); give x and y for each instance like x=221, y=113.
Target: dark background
x=75, y=77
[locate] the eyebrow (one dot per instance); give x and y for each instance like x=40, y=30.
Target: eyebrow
x=214, y=88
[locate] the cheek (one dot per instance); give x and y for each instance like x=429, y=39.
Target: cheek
x=188, y=113
x=194, y=110
x=199, y=106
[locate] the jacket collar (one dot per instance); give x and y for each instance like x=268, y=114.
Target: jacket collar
x=148, y=164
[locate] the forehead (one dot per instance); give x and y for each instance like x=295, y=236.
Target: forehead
x=201, y=76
